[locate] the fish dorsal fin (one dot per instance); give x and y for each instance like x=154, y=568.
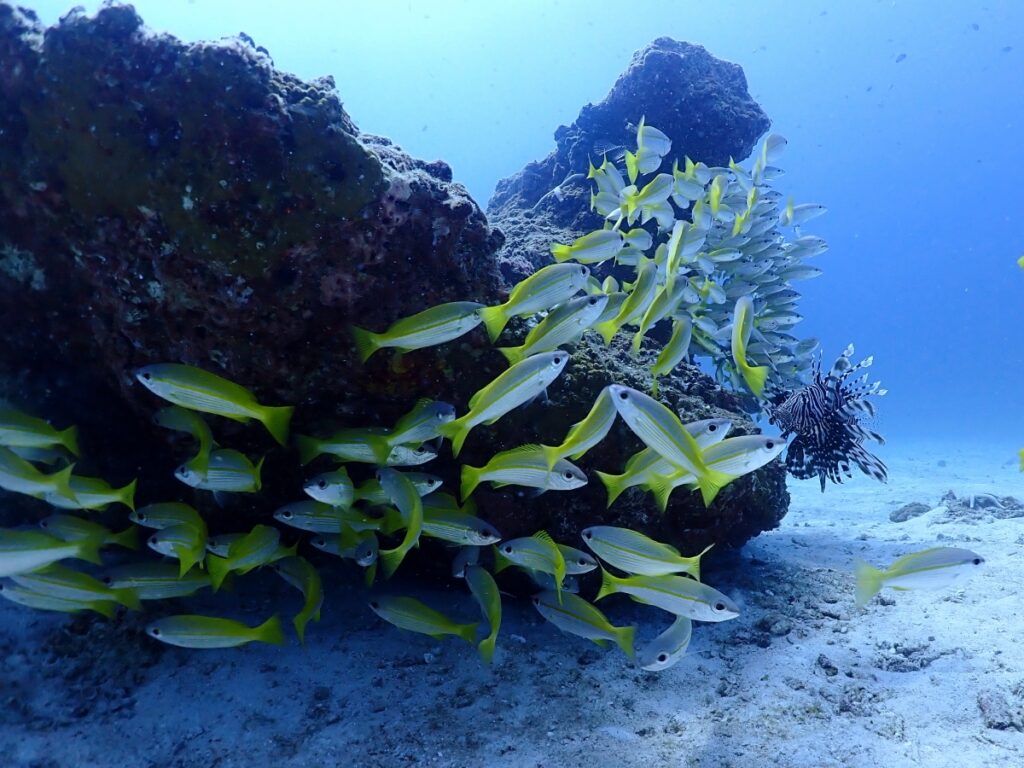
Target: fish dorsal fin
x=528, y=448
x=545, y=537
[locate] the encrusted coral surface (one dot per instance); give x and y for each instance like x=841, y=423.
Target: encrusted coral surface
x=170, y=202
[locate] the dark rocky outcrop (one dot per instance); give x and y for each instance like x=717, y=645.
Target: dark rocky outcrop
x=700, y=102
x=170, y=202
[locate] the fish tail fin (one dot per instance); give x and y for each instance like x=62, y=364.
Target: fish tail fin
x=624, y=637
x=470, y=480
x=309, y=448
x=695, y=561
x=69, y=439
x=366, y=342
x=607, y=585
x=62, y=482
x=217, y=567
x=613, y=483
x=128, y=538
x=494, y=320
x=486, y=648
x=126, y=495
x=662, y=490
x=638, y=338
x=500, y=561
x=89, y=550
x=129, y=598
x=607, y=329
x=299, y=622
x=276, y=419
x=455, y=431
x=561, y=252
x=103, y=607
x=755, y=376
x=869, y=582
x=710, y=483
x=391, y=559
x=512, y=354
x=654, y=386
x=270, y=631
x=467, y=632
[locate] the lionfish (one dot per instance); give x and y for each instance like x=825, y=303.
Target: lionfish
x=825, y=417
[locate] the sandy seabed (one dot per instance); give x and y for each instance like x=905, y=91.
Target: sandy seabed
x=801, y=679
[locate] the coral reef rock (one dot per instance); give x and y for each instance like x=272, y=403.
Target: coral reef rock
x=170, y=202
x=701, y=103
x=163, y=202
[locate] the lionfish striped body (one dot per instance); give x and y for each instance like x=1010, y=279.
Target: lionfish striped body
x=825, y=419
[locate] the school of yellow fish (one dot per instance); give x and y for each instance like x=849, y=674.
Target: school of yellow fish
x=708, y=256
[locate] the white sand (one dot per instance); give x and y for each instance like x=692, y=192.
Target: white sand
x=800, y=679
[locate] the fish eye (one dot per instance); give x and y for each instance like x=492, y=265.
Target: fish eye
x=568, y=475
x=769, y=445
x=147, y=376
x=321, y=484
x=155, y=632
x=581, y=561
x=623, y=395
x=662, y=657
x=977, y=561
x=319, y=541
x=508, y=550
x=107, y=580
x=140, y=516
x=583, y=270
x=374, y=604
x=719, y=606
x=712, y=427
x=536, y=601
x=286, y=515
x=43, y=524
x=557, y=359
x=588, y=534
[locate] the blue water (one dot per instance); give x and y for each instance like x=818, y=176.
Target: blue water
x=904, y=118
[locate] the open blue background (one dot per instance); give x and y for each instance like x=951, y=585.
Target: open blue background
x=905, y=118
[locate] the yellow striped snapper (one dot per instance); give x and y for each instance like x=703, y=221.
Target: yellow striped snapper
x=261, y=546
x=437, y=325
x=200, y=390
x=675, y=594
x=518, y=385
x=183, y=420
x=934, y=568
x=637, y=554
x=421, y=424
x=572, y=614
x=185, y=543
x=364, y=446
x=544, y=289
x=19, y=476
x=563, y=325
x=538, y=553
x=299, y=573
x=668, y=648
x=19, y=430
x=334, y=488
x=28, y=551
x=371, y=491
x=633, y=308
x=58, y=581
x=156, y=581
x=190, y=631
x=92, y=493
x=44, y=602
x=673, y=353
x=410, y=614
x=229, y=471
x=166, y=514
x=584, y=434
x=458, y=528
x=595, y=248
x=317, y=517
x=661, y=430
x=71, y=528
x=485, y=591
x=525, y=466
x=403, y=494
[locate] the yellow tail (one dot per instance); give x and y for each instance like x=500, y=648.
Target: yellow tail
x=486, y=648
x=366, y=342
x=309, y=448
x=561, y=252
x=613, y=484
x=869, y=582
x=755, y=377
x=710, y=483
x=512, y=354
x=276, y=420
x=270, y=631
x=126, y=495
x=470, y=480
x=624, y=638
x=69, y=439
x=494, y=320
